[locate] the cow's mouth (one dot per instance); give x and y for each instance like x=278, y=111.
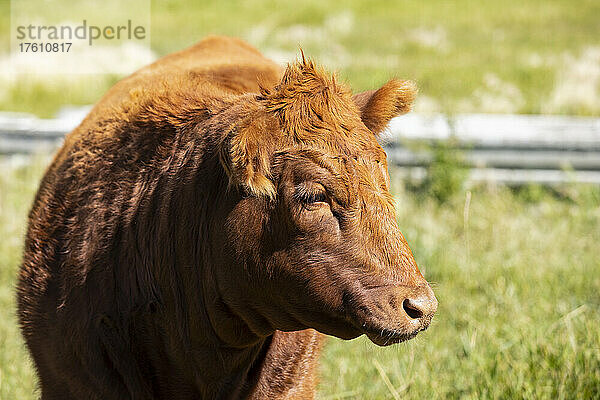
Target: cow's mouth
x=386, y=337
x=378, y=330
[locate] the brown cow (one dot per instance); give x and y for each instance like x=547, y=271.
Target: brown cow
x=205, y=220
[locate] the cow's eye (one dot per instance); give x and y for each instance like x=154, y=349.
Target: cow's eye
x=310, y=198
x=311, y=194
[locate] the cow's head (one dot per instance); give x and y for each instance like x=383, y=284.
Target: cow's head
x=313, y=239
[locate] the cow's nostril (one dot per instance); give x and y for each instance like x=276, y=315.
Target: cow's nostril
x=411, y=309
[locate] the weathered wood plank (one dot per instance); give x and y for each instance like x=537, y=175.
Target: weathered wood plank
x=500, y=158
x=501, y=131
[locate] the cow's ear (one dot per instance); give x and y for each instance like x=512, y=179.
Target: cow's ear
x=378, y=107
x=246, y=154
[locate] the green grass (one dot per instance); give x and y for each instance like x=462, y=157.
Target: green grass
x=517, y=275
x=17, y=187
x=480, y=56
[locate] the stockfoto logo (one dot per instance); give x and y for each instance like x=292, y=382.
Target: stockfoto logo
x=81, y=32
x=84, y=36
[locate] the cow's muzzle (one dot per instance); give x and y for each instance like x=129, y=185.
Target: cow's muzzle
x=392, y=314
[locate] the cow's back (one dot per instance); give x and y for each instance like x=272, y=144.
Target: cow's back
x=228, y=63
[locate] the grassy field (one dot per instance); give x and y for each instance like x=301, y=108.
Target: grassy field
x=523, y=56
x=517, y=275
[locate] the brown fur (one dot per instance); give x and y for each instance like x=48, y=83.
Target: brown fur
x=206, y=216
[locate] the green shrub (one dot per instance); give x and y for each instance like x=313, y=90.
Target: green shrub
x=446, y=173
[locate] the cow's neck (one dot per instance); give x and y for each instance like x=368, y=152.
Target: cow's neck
x=219, y=353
